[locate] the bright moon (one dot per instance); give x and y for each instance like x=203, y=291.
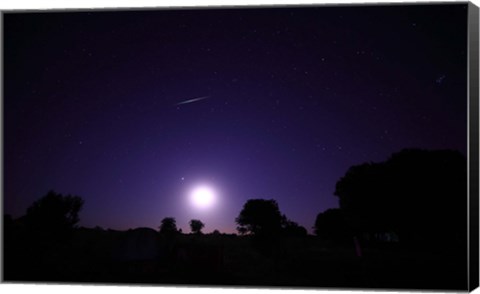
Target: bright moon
x=203, y=197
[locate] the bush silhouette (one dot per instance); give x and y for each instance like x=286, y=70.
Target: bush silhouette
x=292, y=229
x=54, y=214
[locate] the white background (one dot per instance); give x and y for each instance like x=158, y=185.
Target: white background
x=57, y=289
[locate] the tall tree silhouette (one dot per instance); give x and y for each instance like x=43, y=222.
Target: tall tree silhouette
x=196, y=226
x=418, y=194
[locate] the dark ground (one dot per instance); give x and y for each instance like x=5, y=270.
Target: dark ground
x=107, y=256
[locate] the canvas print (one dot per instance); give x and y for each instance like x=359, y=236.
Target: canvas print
x=303, y=146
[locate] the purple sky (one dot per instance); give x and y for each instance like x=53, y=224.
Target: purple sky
x=294, y=97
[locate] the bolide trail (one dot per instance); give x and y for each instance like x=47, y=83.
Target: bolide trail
x=193, y=100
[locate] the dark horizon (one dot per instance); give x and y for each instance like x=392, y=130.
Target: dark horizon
x=131, y=110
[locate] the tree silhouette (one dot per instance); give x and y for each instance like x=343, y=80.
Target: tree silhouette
x=260, y=217
x=196, y=226
x=331, y=225
x=242, y=230
x=168, y=226
x=54, y=214
x=419, y=195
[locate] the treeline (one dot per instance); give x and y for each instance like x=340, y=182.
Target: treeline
x=397, y=220
x=416, y=198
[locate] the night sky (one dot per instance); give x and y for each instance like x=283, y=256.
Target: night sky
x=279, y=104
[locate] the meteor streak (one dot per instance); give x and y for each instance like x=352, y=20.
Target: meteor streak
x=193, y=100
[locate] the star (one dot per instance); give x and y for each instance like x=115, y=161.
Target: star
x=440, y=79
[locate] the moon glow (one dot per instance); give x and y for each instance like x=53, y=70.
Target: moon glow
x=203, y=197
